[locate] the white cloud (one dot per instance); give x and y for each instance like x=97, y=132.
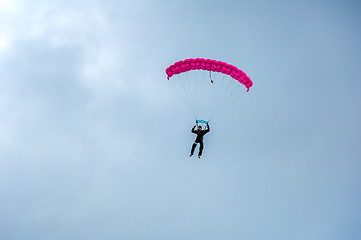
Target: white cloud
x=111, y=43
x=4, y=44
x=9, y=9
x=86, y=28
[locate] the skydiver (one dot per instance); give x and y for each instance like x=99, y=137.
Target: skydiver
x=200, y=133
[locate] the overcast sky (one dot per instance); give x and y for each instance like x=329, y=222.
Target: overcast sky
x=94, y=145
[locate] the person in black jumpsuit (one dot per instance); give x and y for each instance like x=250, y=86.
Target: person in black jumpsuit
x=200, y=133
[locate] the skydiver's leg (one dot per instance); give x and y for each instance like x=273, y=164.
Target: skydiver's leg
x=193, y=147
x=200, y=149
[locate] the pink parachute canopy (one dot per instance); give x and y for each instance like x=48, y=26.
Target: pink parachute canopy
x=209, y=65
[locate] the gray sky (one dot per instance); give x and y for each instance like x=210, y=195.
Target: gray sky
x=94, y=145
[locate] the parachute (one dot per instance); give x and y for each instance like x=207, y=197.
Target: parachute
x=205, y=97
x=209, y=65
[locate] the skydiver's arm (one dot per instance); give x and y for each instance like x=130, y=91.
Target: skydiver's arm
x=193, y=131
x=208, y=128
